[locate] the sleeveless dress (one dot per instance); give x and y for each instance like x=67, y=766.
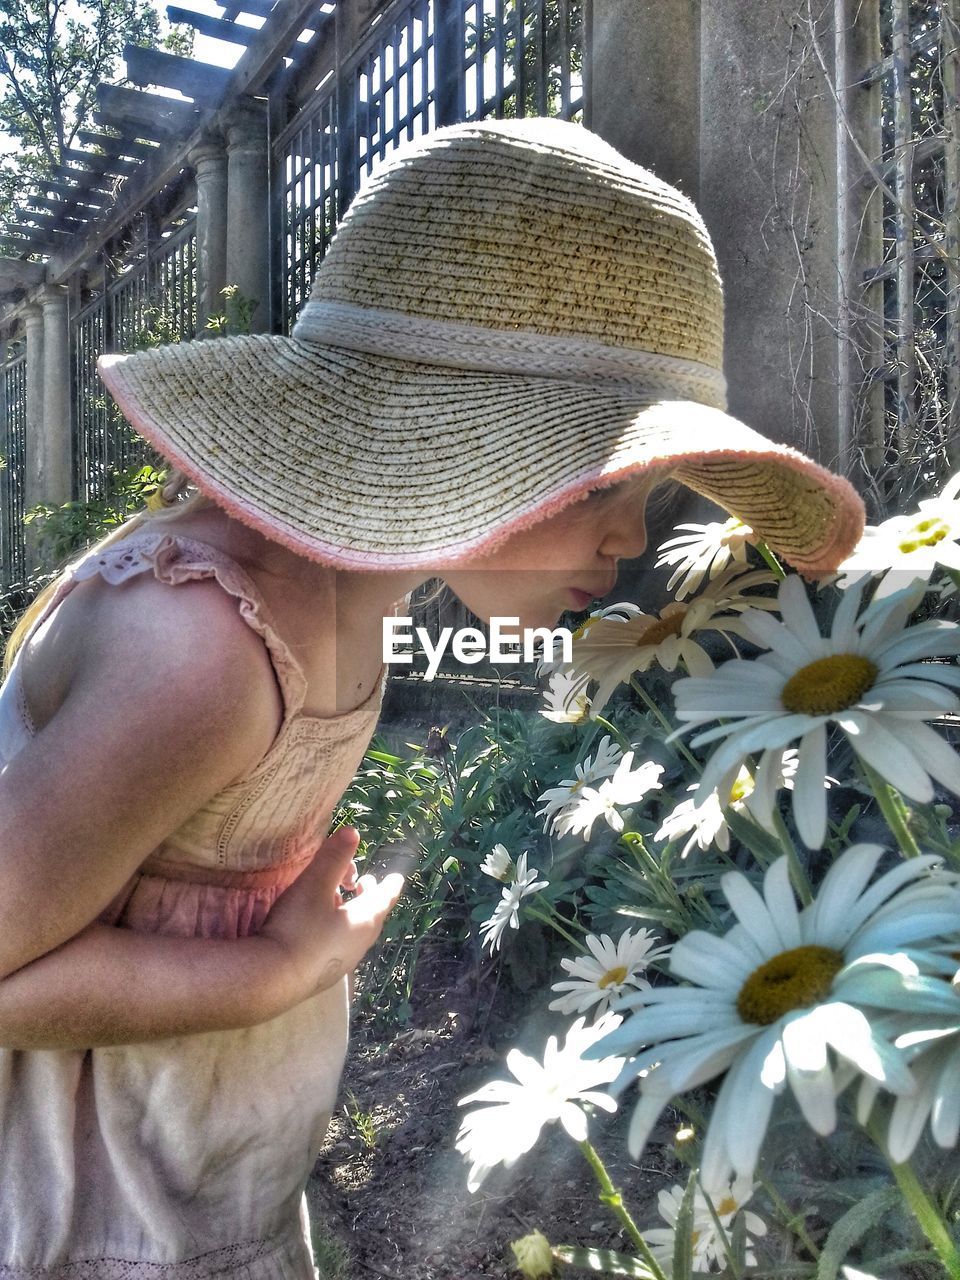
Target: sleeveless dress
x=187, y=1157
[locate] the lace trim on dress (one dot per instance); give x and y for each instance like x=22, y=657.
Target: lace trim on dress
x=237, y=1261
x=174, y=560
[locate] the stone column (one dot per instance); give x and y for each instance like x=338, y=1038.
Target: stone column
x=645, y=84
x=33, y=481
x=768, y=193
x=247, y=256
x=57, y=484
x=209, y=161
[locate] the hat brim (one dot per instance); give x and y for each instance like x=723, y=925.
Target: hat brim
x=370, y=462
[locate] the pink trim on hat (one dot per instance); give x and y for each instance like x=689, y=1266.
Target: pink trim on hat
x=845, y=528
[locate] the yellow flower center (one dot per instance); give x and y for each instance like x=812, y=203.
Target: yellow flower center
x=742, y=788
x=928, y=534
x=612, y=977
x=660, y=628
x=793, y=979
x=726, y=1205
x=829, y=684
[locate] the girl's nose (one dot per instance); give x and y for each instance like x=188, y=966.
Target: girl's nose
x=625, y=541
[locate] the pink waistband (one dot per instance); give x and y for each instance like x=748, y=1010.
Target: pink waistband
x=282, y=873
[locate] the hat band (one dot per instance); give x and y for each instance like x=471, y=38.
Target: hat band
x=516, y=351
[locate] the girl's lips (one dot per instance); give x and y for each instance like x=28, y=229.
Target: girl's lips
x=580, y=598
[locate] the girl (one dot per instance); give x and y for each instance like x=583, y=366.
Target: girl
x=516, y=333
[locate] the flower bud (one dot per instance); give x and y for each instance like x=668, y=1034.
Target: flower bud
x=533, y=1254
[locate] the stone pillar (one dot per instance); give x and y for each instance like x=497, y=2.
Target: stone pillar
x=644, y=84
x=768, y=193
x=33, y=480
x=209, y=161
x=57, y=477
x=247, y=212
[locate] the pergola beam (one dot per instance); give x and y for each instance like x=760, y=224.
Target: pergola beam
x=16, y=274
x=119, y=146
x=215, y=28
x=201, y=81
x=153, y=116
x=94, y=163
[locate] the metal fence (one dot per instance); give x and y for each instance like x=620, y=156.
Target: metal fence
x=425, y=63
x=152, y=299
x=899, y=163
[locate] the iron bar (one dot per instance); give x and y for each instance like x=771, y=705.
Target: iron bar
x=904, y=220
x=950, y=74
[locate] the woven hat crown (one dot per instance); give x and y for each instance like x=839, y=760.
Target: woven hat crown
x=530, y=225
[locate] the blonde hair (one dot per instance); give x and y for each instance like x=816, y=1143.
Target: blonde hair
x=170, y=500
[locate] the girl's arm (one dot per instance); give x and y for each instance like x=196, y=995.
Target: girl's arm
x=171, y=699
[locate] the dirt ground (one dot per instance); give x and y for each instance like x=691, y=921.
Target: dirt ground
x=389, y=1194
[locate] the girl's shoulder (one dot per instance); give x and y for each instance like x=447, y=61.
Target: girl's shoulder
x=158, y=602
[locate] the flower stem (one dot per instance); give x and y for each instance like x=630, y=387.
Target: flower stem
x=792, y=1221
x=797, y=873
x=921, y=1206
x=771, y=561
x=620, y=736
x=537, y=915
x=892, y=808
x=664, y=723
x=610, y=1196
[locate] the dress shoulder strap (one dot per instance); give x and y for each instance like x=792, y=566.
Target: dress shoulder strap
x=174, y=559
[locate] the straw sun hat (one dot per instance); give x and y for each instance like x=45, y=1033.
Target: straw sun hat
x=511, y=314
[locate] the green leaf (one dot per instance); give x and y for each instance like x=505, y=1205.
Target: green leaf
x=852, y=1227
x=683, y=1231
x=603, y=1261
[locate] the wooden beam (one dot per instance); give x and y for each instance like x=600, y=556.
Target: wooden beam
x=95, y=196
x=81, y=212
x=259, y=8
x=24, y=217
x=117, y=146
x=215, y=28
x=94, y=163
x=155, y=117
x=201, y=81
x=16, y=274
x=36, y=241
x=269, y=47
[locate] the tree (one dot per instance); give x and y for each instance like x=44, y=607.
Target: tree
x=53, y=54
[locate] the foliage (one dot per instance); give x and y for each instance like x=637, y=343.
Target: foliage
x=65, y=530
x=53, y=54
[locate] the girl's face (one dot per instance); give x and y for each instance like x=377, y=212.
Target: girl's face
x=561, y=563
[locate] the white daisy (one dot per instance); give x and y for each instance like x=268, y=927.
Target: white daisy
x=499, y=864
x=565, y=698
x=908, y=548
x=611, y=649
x=607, y=972
x=706, y=821
x=708, y=1247
x=507, y=911
x=925, y=1025
x=772, y=998
x=865, y=677
x=625, y=787
x=706, y=549
x=557, y=1089
x=590, y=770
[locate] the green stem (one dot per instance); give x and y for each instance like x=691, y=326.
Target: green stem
x=610, y=1196
x=771, y=561
x=620, y=736
x=792, y=1221
x=798, y=875
x=892, y=808
x=922, y=1208
x=536, y=915
x=664, y=723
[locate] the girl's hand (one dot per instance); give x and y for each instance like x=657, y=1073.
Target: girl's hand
x=323, y=935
